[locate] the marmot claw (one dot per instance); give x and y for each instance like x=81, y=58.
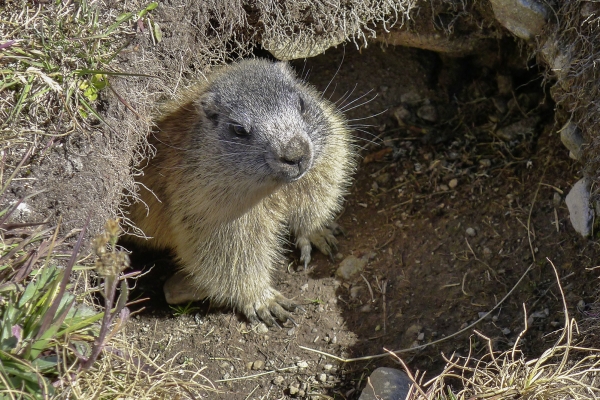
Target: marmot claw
x=276, y=308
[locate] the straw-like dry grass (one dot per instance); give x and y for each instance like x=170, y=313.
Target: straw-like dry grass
x=564, y=371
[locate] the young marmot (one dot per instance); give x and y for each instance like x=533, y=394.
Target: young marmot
x=241, y=160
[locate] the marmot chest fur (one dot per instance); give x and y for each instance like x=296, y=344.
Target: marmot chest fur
x=242, y=160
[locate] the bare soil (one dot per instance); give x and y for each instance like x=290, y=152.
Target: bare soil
x=449, y=213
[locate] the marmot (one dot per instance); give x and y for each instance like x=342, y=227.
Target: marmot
x=241, y=160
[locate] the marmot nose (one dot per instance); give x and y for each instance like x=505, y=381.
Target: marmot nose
x=295, y=157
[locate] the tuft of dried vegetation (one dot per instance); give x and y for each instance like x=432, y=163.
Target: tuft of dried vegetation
x=564, y=371
x=577, y=48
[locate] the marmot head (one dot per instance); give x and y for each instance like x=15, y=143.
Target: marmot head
x=265, y=120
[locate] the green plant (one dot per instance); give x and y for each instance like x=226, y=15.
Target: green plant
x=183, y=309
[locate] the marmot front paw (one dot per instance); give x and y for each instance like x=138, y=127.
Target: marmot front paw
x=271, y=307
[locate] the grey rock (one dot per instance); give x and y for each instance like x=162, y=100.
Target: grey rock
x=558, y=57
x=523, y=18
x=580, y=211
x=572, y=138
x=557, y=199
x=292, y=49
x=386, y=384
x=471, y=232
x=428, y=113
x=350, y=267
x=411, y=98
x=402, y=115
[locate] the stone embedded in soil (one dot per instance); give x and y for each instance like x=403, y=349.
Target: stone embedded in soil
x=293, y=390
x=258, y=365
x=571, y=137
x=354, y=291
x=428, y=113
x=402, y=115
x=524, y=18
x=350, y=267
x=411, y=98
x=471, y=232
x=580, y=211
x=386, y=383
x=322, y=378
x=278, y=380
x=556, y=199
x=453, y=183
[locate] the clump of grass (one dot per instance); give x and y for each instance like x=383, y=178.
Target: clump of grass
x=54, y=60
x=564, y=371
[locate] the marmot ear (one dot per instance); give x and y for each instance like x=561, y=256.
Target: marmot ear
x=207, y=105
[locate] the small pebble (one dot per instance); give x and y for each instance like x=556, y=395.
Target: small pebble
x=262, y=328
x=327, y=367
x=485, y=162
x=366, y=308
x=293, y=390
x=302, y=364
x=428, y=113
x=506, y=331
x=322, y=378
x=258, y=365
x=453, y=183
x=402, y=115
x=471, y=232
x=292, y=331
x=278, y=380
x=444, y=188
x=354, y=291
x=556, y=199
x=421, y=336
x=350, y=267
x=411, y=98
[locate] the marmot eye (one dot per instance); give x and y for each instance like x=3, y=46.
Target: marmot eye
x=301, y=105
x=238, y=130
